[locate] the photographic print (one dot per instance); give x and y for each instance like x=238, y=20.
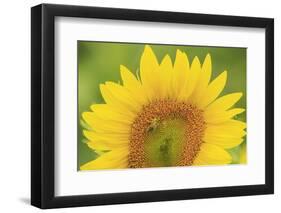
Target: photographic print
x=157, y=105
x=177, y=97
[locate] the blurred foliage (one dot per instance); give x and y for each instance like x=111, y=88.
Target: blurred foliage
x=99, y=62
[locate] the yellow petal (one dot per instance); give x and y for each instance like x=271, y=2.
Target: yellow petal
x=207, y=68
x=243, y=154
x=212, y=155
x=226, y=135
x=225, y=129
x=94, y=137
x=101, y=125
x=112, y=100
x=116, y=96
x=203, y=80
x=236, y=123
x=224, y=102
x=115, y=159
x=98, y=143
x=164, y=83
x=221, y=116
x=109, y=137
x=102, y=146
x=108, y=112
x=148, y=67
x=181, y=70
x=213, y=90
x=223, y=142
x=149, y=61
x=129, y=80
x=124, y=95
x=132, y=84
x=191, y=81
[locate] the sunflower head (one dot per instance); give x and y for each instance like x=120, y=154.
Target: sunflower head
x=172, y=115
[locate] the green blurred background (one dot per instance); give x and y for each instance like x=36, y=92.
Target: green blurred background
x=100, y=61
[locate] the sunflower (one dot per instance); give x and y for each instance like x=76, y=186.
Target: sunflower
x=171, y=115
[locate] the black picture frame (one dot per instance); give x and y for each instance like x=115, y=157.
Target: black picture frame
x=43, y=102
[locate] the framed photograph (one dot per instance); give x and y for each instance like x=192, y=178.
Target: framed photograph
x=139, y=106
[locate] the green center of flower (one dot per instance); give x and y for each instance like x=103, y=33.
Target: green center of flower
x=166, y=133
x=164, y=142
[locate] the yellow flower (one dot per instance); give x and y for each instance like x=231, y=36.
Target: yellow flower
x=171, y=116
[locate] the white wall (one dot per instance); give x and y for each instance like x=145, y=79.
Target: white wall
x=15, y=105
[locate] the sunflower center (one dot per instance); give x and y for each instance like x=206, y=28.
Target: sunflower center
x=164, y=142
x=166, y=133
